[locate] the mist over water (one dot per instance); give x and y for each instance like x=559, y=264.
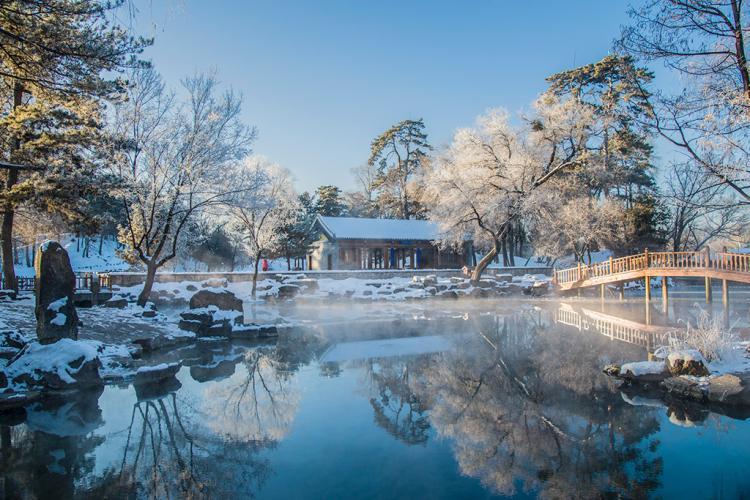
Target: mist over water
x=429, y=399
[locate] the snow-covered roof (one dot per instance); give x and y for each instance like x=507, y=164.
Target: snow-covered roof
x=360, y=228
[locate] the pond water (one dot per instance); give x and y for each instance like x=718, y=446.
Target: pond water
x=483, y=400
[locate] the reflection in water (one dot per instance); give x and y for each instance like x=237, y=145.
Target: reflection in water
x=397, y=408
x=530, y=410
x=258, y=406
x=514, y=400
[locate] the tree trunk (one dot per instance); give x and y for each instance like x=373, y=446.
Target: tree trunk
x=101, y=243
x=511, y=247
x=505, y=252
x=288, y=263
x=484, y=262
x=255, y=274
x=6, y=230
x=148, y=285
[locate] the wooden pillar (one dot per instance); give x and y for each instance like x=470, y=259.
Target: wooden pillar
x=725, y=292
x=665, y=294
x=622, y=291
x=709, y=297
x=603, y=291
x=647, y=283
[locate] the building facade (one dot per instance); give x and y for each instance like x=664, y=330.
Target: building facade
x=352, y=243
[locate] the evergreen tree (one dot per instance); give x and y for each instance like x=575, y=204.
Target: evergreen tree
x=54, y=53
x=328, y=201
x=399, y=154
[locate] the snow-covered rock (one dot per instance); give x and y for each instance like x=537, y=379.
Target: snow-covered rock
x=64, y=364
x=687, y=362
x=224, y=300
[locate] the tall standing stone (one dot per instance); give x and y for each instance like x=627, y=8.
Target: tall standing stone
x=55, y=310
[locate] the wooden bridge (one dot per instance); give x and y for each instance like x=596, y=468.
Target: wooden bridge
x=725, y=266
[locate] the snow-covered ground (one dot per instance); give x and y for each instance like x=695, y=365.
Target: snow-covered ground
x=107, y=260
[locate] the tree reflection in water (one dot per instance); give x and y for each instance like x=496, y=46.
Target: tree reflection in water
x=525, y=406
x=397, y=408
x=260, y=405
x=170, y=453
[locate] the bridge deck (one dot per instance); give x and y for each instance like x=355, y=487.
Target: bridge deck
x=724, y=266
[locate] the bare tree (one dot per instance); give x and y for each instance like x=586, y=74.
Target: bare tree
x=175, y=160
x=704, y=41
x=700, y=208
x=265, y=204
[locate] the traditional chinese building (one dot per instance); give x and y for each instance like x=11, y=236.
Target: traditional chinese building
x=348, y=243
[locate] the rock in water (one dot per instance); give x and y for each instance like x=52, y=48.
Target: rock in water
x=56, y=316
x=687, y=362
x=224, y=300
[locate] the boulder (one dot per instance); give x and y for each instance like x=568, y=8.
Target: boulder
x=687, y=362
x=215, y=283
x=224, y=300
x=191, y=288
x=308, y=285
x=684, y=388
x=486, y=284
x=430, y=280
x=151, y=374
x=64, y=364
x=504, y=277
x=287, y=291
x=728, y=389
x=117, y=302
x=55, y=311
x=641, y=371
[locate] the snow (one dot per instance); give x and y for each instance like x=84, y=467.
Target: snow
x=59, y=319
x=353, y=228
x=156, y=368
x=109, y=260
x=685, y=355
x=640, y=368
x=55, y=358
x=57, y=305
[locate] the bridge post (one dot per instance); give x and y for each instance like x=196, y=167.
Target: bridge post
x=665, y=293
x=647, y=282
x=709, y=297
x=603, y=291
x=622, y=291
x=725, y=292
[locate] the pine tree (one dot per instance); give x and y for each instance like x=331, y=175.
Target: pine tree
x=54, y=53
x=399, y=153
x=328, y=201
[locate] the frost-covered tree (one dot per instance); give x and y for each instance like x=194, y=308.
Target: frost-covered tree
x=264, y=206
x=175, y=159
x=482, y=183
x=562, y=222
x=56, y=56
x=399, y=153
x=704, y=41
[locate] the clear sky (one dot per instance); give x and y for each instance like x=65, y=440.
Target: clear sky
x=322, y=78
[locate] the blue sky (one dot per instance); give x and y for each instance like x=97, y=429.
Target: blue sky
x=321, y=79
